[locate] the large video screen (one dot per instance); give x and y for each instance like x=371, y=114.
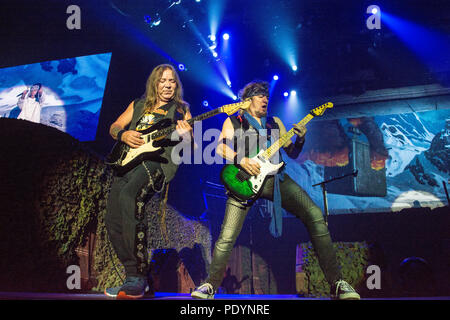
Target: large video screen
x=65, y=94
x=377, y=164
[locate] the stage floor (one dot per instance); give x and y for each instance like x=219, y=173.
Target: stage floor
x=177, y=296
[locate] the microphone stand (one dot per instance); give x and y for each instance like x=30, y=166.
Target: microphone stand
x=324, y=191
x=446, y=193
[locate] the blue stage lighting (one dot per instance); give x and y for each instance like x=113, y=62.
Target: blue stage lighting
x=275, y=77
x=153, y=21
x=431, y=46
x=294, y=67
x=229, y=83
x=212, y=37
x=226, y=36
x=374, y=10
x=205, y=103
x=215, y=54
x=286, y=94
x=181, y=67
x=293, y=93
x=235, y=98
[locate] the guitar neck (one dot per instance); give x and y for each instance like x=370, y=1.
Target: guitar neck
x=167, y=131
x=284, y=138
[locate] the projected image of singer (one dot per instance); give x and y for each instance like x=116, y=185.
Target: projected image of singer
x=30, y=103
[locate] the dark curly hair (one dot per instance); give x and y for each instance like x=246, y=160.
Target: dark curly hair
x=254, y=88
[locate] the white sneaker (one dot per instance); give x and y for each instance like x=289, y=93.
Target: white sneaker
x=343, y=291
x=205, y=291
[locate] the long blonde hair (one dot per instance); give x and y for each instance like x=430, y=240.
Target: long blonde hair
x=151, y=89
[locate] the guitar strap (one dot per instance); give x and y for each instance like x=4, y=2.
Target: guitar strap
x=155, y=181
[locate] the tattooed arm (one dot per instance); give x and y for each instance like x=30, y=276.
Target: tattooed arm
x=118, y=132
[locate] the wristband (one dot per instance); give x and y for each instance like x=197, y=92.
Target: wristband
x=299, y=142
x=119, y=134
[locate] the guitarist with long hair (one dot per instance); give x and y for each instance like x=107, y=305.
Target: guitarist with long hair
x=130, y=191
x=279, y=188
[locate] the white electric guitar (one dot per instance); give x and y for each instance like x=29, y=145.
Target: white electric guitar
x=123, y=158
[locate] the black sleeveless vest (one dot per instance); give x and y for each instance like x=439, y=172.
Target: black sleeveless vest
x=174, y=114
x=251, y=136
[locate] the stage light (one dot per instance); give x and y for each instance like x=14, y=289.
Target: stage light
x=294, y=67
x=153, y=21
x=235, y=97
x=229, y=83
x=215, y=10
x=213, y=44
x=181, y=67
x=205, y=103
x=226, y=36
x=286, y=94
x=198, y=0
x=273, y=84
x=156, y=21
x=292, y=102
x=215, y=54
x=374, y=10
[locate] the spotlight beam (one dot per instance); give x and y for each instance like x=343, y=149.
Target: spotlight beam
x=215, y=12
x=283, y=40
x=431, y=46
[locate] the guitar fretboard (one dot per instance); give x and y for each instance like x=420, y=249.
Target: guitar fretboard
x=284, y=138
x=228, y=108
x=167, y=131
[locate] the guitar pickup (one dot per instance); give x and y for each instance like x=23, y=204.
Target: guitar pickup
x=262, y=159
x=242, y=176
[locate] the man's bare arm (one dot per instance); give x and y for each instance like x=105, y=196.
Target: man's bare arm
x=130, y=137
x=227, y=134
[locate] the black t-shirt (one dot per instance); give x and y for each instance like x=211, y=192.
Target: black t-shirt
x=147, y=120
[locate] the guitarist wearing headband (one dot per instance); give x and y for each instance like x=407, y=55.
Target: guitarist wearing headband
x=279, y=188
x=125, y=216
